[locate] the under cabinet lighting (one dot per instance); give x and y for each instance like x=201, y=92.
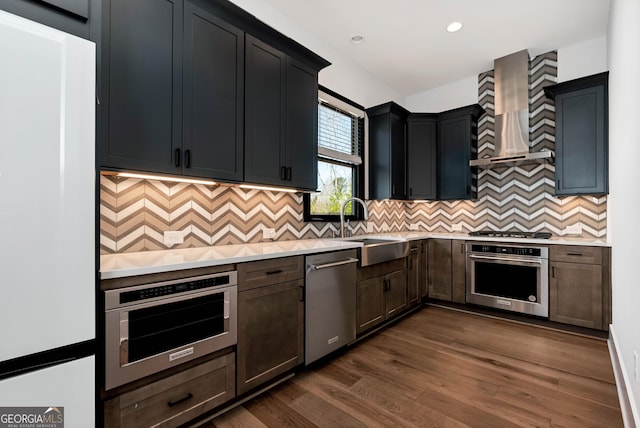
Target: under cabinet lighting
x=271, y=189
x=160, y=178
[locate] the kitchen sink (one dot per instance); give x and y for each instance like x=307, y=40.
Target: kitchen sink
x=374, y=251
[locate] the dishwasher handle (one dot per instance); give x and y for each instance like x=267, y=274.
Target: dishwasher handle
x=330, y=265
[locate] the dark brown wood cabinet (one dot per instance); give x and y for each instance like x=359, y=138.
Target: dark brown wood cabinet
x=446, y=270
x=270, y=320
x=579, y=286
x=176, y=399
x=581, y=107
x=416, y=272
x=381, y=293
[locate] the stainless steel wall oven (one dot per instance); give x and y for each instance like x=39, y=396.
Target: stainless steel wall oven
x=507, y=276
x=152, y=327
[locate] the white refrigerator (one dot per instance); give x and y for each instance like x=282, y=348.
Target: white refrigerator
x=47, y=221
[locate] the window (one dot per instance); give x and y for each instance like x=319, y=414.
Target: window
x=340, y=170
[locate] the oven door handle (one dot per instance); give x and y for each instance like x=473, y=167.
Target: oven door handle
x=227, y=305
x=506, y=259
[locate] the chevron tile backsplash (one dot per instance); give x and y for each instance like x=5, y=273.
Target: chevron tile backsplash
x=135, y=213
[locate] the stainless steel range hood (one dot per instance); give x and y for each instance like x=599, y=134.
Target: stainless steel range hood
x=511, y=77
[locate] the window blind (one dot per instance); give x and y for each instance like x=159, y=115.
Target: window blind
x=338, y=135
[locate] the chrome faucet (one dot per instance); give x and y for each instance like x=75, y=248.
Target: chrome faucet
x=366, y=212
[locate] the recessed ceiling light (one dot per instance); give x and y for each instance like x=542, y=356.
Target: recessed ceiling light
x=357, y=39
x=454, y=26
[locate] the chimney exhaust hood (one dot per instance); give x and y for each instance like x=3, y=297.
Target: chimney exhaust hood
x=511, y=79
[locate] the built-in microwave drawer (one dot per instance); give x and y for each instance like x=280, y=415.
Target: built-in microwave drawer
x=576, y=254
x=176, y=399
x=268, y=272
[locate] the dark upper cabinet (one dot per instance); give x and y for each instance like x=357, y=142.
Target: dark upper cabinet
x=185, y=90
x=457, y=137
x=422, y=156
x=387, y=151
x=302, y=125
x=581, y=135
x=70, y=16
x=213, y=97
x=175, y=91
x=265, y=160
x=281, y=115
x=142, y=85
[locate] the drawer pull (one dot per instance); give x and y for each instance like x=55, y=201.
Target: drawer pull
x=575, y=254
x=189, y=396
x=273, y=272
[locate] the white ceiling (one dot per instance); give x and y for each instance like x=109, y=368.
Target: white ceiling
x=408, y=48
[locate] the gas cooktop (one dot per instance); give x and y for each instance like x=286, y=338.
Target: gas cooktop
x=511, y=234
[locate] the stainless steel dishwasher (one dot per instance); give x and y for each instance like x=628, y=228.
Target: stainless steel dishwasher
x=330, y=302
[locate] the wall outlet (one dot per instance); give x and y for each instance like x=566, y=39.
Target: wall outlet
x=268, y=233
x=574, y=229
x=456, y=227
x=413, y=227
x=635, y=366
x=172, y=237
x=371, y=228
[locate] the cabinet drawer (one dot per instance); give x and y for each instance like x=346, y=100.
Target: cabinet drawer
x=576, y=254
x=268, y=272
x=176, y=399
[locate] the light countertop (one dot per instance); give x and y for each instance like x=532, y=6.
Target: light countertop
x=147, y=262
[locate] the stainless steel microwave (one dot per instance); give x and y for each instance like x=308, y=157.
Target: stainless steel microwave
x=152, y=327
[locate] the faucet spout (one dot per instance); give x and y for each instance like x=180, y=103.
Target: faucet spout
x=364, y=206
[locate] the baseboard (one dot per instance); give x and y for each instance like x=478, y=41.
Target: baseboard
x=630, y=415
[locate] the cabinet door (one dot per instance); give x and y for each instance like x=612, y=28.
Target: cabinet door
x=414, y=273
x=396, y=294
x=581, y=142
x=439, y=266
x=458, y=272
x=422, y=159
x=265, y=82
x=370, y=310
x=142, y=66
x=302, y=126
x=454, y=152
x=270, y=333
x=213, y=100
x=575, y=294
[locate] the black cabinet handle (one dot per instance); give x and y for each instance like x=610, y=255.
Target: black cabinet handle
x=189, y=396
x=283, y=173
x=558, y=185
x=289, y=173
x=468, y=190
x=553, y=271
x=575, y=254
x=393, y=190
x=410, y=191
x=187, y=158
x=176, y=157
x=462, y=248
x=301, y=293
x=410, y=264
x=273, y=272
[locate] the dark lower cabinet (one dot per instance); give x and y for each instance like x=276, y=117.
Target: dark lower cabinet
x=416, y=272
x=446, y=270
x=579, y=286
x=457, y=137
x=270, y=320
x=422, y=156
x=381, y=293
x=581, y=135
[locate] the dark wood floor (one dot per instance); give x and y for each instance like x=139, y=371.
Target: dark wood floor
x=445, y=368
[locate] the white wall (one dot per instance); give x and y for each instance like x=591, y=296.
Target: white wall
x=343, y=76
x=624, y=178
x=446, y=97
x=582, y=59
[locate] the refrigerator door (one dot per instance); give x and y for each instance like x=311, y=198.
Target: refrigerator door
x=69, y=385
x=47, y=188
